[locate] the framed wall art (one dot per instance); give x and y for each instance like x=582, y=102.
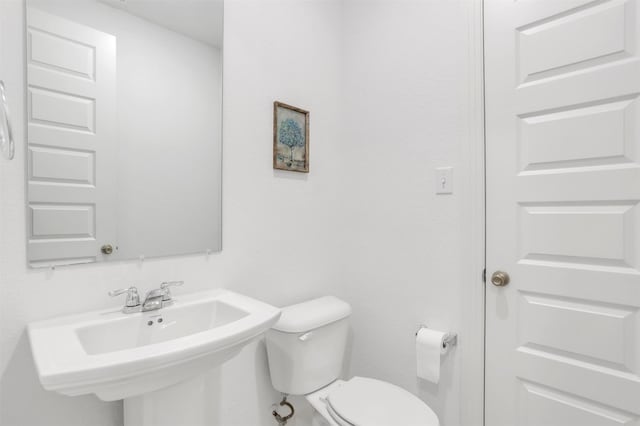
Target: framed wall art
x=290, y=138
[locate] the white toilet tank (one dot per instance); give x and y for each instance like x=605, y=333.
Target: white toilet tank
x=306, y=346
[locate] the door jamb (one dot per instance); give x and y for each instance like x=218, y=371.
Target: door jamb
x=473, y=304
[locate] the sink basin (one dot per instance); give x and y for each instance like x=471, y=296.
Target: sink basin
x=116, y=355
x=129, y=331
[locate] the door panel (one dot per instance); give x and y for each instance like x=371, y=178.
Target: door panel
x=58, y=53
x=563, y=215
x=62, y=165
x=549, y=407
x=72, y=140
x=51, y=108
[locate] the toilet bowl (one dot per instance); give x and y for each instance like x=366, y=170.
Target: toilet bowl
x=306, y=350
x=369, y=402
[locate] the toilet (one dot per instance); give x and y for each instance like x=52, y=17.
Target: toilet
x=306, y=350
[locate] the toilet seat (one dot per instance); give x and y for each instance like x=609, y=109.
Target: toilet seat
x=362, y=401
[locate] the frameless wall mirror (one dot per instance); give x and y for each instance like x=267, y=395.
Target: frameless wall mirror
x=124, y=102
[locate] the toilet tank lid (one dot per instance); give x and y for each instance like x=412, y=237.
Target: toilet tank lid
x=312, y=314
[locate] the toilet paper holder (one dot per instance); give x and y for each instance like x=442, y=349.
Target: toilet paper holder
x=450, y=339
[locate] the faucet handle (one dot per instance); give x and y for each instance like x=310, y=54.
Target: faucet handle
x=133, y=298
x=165, y=286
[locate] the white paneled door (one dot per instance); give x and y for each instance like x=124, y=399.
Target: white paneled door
x=563, y=212
x=71, y=75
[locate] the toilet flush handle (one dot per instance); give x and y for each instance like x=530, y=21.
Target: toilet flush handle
x=306, y=336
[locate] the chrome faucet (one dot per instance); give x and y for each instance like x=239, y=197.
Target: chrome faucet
x=154, y=299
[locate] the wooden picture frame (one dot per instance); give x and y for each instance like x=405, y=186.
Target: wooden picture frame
x=290, y=138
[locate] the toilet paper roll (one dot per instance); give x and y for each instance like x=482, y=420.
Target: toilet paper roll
x=429, y=348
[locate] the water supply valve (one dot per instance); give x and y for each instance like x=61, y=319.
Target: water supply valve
x=282, y=420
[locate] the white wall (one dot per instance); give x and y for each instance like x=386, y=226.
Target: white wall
x=387, y=86
x=281, y=230
x=407, y=72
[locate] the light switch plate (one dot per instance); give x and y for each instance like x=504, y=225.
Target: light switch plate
x=444, y=180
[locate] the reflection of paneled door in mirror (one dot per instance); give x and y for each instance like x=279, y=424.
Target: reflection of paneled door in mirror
x=71, y=76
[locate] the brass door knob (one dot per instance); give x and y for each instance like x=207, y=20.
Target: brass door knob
x=106, y=249
x=500, y=279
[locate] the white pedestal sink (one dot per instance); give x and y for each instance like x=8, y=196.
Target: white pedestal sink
x=156, y=361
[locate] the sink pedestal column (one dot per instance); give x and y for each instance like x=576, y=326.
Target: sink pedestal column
x=192, y=402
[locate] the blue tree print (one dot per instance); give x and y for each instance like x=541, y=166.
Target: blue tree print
x=291, y=135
